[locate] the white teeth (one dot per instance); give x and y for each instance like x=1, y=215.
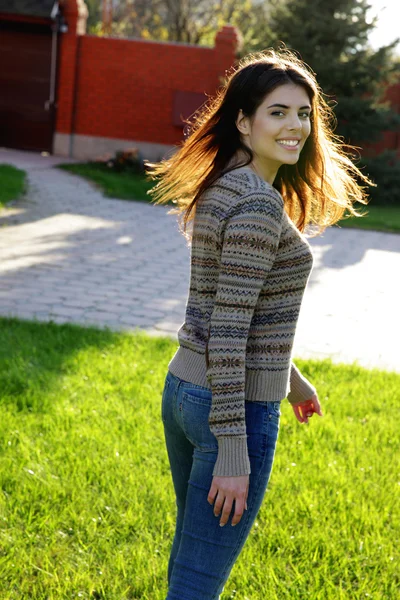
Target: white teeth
x=288, y=142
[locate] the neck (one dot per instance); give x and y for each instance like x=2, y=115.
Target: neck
x=266, y=172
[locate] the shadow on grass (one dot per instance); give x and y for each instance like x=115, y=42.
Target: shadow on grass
x=34, y=356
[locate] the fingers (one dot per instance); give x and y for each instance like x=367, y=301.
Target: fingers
x=227, y=505
x=317, y=406
x=212, y=493
x=305, y=410
x=225, y=512
x=228, y=492
x=219, y=503
x=296, y=410
x=240, y=505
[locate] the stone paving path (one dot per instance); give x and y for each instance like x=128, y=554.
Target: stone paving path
x=71, y=255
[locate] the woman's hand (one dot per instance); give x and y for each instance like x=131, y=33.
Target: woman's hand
x=226, y=490
x=304, y=410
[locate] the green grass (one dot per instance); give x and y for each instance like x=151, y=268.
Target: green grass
x=125, y=186
x=379, y=218
x=87, y=506
x=12, y=183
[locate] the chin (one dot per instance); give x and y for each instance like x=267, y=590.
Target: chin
x=292, y=161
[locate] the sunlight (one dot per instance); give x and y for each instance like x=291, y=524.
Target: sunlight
x=387, y=29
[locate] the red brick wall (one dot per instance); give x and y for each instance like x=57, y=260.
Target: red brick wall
x=125, y=88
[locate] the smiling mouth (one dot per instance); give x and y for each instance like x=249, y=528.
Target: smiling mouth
x=289, y=143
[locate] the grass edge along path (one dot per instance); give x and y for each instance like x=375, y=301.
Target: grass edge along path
x=126, y=186
x=123, y=185
x=87, y=507
x=378, y=218
x=13, y=184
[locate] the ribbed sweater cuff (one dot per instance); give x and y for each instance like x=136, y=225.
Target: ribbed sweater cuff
x=233, y=457
x=300, y=388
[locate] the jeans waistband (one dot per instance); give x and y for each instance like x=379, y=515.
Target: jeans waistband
x=178, y=381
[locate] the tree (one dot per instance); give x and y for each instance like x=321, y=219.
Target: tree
x=332, y=37
x=187, y=21
x=93, y=24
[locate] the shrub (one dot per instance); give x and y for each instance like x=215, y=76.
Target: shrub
x=127, y=160
x=384, y=170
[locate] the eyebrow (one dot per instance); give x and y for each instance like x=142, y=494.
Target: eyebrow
x=284, y=106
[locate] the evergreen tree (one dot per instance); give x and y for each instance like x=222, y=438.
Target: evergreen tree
x=94, y=23
x=332, y=37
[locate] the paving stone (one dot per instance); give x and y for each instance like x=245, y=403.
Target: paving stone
x=135, y=320
x=168, y=325
x=7, y=310
x=65, y=311
x=109, y=307
x=45, y=299
x=32, y=313
x=79, y=302
x=101, y=315
x=146, y=312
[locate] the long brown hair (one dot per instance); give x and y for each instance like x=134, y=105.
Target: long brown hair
x=317, y=190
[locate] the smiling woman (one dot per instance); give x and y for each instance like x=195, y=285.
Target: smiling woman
x=317, y=188
x=260, y=165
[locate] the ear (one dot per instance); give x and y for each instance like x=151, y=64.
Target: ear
x=243, y=123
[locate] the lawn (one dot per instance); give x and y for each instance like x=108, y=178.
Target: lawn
x=12, y=183
x=87, y=507
x=135, y=187
x=379, y=218
x=125, y=186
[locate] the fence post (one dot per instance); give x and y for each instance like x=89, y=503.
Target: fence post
x=75, y=13
x=227, y=43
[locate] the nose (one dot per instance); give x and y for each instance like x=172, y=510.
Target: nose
x=295, y=123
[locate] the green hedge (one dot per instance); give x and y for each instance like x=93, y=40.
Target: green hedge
x=384, y=170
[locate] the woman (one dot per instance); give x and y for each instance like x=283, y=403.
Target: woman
x=260, y=165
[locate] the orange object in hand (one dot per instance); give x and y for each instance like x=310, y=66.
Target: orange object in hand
x=305, y=409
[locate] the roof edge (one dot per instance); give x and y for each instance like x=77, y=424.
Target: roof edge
x=6, y=16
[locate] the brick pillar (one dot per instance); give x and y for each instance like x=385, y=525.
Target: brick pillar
x=75, y=13
x=227, y=43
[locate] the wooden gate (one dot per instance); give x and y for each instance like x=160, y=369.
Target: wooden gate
x=26, y=115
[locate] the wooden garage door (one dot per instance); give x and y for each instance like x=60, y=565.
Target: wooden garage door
x=26, y=122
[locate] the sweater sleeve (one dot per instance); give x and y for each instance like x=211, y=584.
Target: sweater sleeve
x=249, y=245
x=300, y=388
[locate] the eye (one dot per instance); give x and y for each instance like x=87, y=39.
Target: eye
x=305, y=115
x=277, y=113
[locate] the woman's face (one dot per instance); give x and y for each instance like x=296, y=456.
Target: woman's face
x=278, y=130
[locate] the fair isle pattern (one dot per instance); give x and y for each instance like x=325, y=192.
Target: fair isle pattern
x=249, y=270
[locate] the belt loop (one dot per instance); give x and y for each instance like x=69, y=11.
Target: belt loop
x=177, y=386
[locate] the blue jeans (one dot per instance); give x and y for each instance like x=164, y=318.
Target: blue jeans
x=203, y=553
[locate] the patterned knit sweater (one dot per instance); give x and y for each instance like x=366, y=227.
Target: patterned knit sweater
x=249, y=270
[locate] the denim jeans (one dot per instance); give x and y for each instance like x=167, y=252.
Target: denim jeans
x=203, y=553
